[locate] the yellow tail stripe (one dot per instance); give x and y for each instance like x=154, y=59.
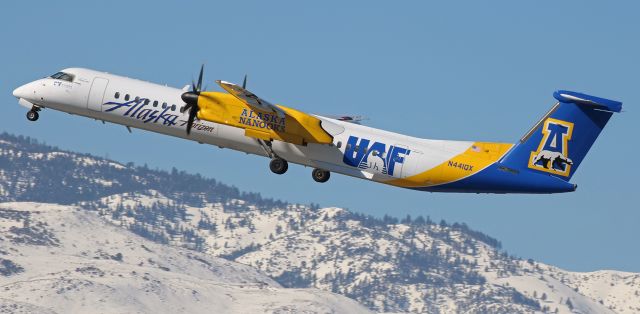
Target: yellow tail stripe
x=477, y=157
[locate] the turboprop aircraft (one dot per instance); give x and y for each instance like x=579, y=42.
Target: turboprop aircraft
x=543, y=161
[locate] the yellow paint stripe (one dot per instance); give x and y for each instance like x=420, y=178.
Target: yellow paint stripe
x=477, y=157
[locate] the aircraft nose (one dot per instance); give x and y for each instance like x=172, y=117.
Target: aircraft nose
x=21, y=92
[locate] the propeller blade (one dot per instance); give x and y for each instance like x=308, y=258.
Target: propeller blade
x=244, y=82
x=192, y=116
x=200, y=78
x=190, y=99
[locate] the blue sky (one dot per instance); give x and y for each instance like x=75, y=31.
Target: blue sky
x=447, y=70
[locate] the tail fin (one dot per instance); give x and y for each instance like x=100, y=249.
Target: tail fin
x=561, y=139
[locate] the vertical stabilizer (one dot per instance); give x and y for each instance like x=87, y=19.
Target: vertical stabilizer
x=558, y=143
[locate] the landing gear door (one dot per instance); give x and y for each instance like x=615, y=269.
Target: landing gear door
x=96, y=94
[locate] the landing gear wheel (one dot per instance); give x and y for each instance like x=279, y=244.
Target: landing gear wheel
x=320, y=175
x=278, y=165
x=32, y=115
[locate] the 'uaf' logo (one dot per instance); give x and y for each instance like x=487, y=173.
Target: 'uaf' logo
x=377, y=157
x=553, y=151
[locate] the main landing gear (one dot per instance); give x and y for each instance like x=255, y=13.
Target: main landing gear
x=320, y=175
x=278, y=165
x=32, y=115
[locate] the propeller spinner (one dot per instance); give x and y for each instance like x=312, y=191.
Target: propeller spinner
x=190, y=98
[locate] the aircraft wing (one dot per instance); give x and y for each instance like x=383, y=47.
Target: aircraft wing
x=263, y=120
x=250, y=98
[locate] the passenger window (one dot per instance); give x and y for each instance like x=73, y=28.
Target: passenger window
x=146, y=102
x=339, y=144
x=173, y=107
x=136, y=99
x=164, y=105
x=348, y=146
x=181, y=109
x=117, y=95
x=155, y=103
x=126, y=97
x=374, y=153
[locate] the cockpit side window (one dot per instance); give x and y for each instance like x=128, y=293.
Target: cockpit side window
x=63, y=76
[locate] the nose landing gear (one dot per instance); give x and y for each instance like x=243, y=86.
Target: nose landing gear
x=320, y=175
x=32, y=115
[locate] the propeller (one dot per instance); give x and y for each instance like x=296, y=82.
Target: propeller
x=190, y=98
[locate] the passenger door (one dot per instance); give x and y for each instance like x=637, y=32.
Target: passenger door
x=96, y=94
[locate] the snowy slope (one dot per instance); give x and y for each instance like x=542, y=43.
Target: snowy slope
x=414, y=267
x=618, y=290
x=61, y=259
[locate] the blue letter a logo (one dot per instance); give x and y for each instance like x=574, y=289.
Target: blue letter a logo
x=552, y=154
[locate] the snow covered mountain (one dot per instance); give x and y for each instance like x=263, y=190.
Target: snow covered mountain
x=412, y=265
x=408, y=265
x=62, y=259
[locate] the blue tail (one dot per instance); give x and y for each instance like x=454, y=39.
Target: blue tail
x=558, y=143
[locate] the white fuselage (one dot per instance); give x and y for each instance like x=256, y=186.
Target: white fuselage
x=97, y=95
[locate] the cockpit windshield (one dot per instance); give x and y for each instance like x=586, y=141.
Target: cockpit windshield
x=63, y=76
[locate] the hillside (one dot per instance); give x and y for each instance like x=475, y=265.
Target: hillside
x=62, y=259
x=412, y=265
x=407, y=265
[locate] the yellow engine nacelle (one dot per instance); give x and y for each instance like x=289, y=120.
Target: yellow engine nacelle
x=294, y=127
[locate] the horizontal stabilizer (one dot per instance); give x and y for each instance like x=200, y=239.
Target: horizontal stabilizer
x=583, y=99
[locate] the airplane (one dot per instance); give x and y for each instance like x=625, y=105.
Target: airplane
x=542, y=161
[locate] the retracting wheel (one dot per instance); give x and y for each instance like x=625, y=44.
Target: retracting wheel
x=32, y=115
x=320, y=175
x=278, y=165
